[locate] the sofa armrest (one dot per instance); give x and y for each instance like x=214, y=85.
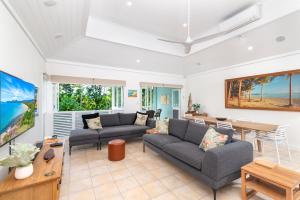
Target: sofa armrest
x=222, y=161
x=151, y=123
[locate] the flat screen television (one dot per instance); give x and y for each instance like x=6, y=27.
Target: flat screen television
x=17, y=107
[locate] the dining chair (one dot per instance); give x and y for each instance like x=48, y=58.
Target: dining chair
x=158, y=113
x=277, y=136
x=200, y=121
x=226, y=125
x=150, y=114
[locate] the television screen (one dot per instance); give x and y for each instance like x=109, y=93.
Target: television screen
x=17, y=107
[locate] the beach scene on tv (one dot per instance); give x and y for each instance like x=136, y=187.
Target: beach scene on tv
x=273, y=92
x=17, y=107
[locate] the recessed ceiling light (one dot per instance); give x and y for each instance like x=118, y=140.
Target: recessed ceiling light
x=50, y=3
x=280, y=38
x=138, y=61
x=57, y=36
x=129, y=3
x=198, y=63
x=184, y=25
x=250, y=48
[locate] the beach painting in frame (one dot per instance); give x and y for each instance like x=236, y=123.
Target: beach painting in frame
x=17, y=107
x=132, y=93
x=275, y=91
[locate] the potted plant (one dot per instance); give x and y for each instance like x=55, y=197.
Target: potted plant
x=196, y=107
x=21, y=157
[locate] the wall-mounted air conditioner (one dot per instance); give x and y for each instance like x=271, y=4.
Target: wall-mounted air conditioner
x=241, y=19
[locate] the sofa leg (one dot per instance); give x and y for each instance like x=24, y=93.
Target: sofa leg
x=144, y=147
x=70, y=148
x=215, y=193
x=100, y=145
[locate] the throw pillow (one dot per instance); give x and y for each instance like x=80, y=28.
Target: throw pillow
x=94, y=123
x=89, y=116
x=141, y=119
x=213, y=139
x=162, y=126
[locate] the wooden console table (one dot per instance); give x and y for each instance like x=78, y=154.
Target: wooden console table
x=270, y=179
x=37, y=186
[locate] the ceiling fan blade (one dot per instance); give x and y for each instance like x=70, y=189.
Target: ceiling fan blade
x=170, y=41
x=208, y=37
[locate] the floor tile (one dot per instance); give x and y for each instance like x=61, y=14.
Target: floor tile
x=154, y=189
x=127, y=184
x=136, y=194
x=106, y=190
x=77, y=186
x=101, y=179
x=83, y=195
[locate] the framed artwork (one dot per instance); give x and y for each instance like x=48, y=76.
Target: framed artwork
x=274, y=91
x=132, y=93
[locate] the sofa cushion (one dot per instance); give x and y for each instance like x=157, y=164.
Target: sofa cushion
x=88, y=116
x=83, y=134
x=186, y=152
x=110, y=120
x=178, y=127
x=159, y=140
x=115, y=131
x=225, y=131
x=213, y=139
x=141, y=119
x=195, y=133
x=127, y=118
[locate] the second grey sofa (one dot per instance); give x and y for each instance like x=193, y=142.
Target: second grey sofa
x=115, y=126
x=216, y=167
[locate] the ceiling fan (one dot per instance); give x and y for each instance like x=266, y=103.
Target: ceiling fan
x=189, y=42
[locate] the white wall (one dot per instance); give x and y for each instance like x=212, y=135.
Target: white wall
x=207, y=88
x=19, y=58
x=132, y=78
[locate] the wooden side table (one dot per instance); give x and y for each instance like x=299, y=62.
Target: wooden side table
x=270, y=179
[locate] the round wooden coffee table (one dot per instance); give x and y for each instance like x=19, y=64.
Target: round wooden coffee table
x=116, y=150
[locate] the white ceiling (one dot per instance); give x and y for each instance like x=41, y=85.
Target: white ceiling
x=165, y=18
x=145, y=19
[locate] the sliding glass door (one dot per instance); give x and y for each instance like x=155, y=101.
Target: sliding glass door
x=164, y=98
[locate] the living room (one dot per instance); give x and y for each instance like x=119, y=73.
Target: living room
x=104, y=100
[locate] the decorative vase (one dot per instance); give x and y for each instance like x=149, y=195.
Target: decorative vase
x=24, y=172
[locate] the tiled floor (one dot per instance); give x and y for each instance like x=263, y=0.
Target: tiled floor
x=88, y=175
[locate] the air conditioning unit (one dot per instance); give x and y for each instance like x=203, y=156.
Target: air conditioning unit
x=241, y=19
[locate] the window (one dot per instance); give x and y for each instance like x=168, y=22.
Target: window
x=147, y=98
x=118, y=97
x=77, y=97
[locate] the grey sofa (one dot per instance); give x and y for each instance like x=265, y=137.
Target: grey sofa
x=216, y=167
x=119, y=125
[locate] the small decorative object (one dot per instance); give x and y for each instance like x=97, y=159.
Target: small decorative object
x=275, y=91
x=49, y=155
x=190, y=103
x=221, y=118
x=132, y=93
x=21, y=158
x=196, y=107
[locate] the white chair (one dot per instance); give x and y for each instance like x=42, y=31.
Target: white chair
x=200, y=121
x=225, y=125
x=277, y=136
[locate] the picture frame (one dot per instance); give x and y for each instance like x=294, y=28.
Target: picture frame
x=278, y=91
x=132, y=93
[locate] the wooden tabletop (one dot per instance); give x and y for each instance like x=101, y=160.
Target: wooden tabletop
x=239, y=124
x=40, y=167
x=278, y=175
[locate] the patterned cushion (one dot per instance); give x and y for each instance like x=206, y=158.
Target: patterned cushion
x=162, y=126
x=94, y=123
x=88, y=116
x=141, y=119
x=213, y=139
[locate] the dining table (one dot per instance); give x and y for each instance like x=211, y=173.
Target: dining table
x=243, y=127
